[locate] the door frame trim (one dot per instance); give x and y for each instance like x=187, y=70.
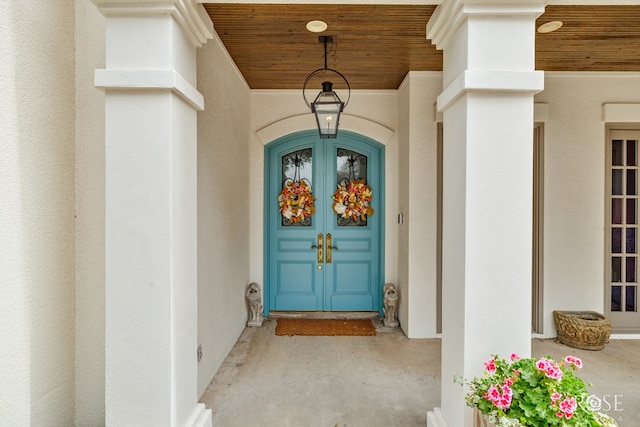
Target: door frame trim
x=267, y=214
x=537, y=277
x=617, y=316
x=293, y=124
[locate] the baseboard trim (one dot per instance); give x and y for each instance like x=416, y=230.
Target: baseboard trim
x=201, y=417
x=436, y=418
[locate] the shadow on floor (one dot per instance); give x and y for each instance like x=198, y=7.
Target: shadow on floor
x=384, y=380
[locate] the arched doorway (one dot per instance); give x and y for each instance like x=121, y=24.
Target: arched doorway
x=323, y=260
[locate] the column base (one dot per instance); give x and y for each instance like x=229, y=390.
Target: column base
x=201, y=417
x=436, y=418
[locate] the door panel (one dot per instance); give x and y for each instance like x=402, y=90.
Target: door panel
x=324, y=262
x=296, y=286
x=292, y=272
x=352, y=290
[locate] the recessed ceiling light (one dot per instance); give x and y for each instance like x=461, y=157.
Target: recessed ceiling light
x=316, y=26
x=549, y=27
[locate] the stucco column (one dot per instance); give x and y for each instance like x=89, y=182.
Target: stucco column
x=151, y=239
x=487, y=104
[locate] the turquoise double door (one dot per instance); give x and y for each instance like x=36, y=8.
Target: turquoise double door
x=328, y=257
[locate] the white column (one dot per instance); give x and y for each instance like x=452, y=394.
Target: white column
x=487, y=104
x=151, y=237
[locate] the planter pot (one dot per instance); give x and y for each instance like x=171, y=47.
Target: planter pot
x=481, y=420
x=586, y=330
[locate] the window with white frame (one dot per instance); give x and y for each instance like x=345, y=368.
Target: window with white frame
x=623, y=223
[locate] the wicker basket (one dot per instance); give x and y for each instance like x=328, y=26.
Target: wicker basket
x=586, y=330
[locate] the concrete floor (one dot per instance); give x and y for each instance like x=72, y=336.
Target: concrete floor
x=385, y=380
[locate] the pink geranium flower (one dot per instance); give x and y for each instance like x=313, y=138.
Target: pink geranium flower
x=568, y=405
x=542, y=364
x=503, y=403
x=575, y=361
x=500, y=396
x=493, y=393
x=550, y=369
x=490, y=365
x=554, y=372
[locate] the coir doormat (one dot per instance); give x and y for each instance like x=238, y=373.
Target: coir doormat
x=325, y=327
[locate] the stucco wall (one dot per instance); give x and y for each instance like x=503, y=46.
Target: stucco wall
x=574, y=193
x=418, y=202
x=89, y=237
x=402, y=254
x=37, y=213
x=224, y=207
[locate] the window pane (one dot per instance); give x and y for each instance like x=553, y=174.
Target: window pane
x=616, y=298
x=616, y=182
x=631, y=241
x=631, y=153
x=616, y=152
x=616, y=240
x=630, y=299
x=631, y=211
x=616, y=269
x=297, y=167
x=631, y=182
x=631, y=270
x=616, y=211
x=351, y=166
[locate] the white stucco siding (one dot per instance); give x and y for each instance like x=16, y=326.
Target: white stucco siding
x=401, y=255
x=89, y=204
x=574, y=193
x=224, y=207
x=423, y=185
x=37, y=213
x=418, y=202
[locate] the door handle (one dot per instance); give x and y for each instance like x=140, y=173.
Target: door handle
x=318, y=246
x=330, y=248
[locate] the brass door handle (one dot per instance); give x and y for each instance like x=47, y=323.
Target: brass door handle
x=330, y=248
x=318, y=246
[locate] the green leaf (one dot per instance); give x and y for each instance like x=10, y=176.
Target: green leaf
x=530, y=377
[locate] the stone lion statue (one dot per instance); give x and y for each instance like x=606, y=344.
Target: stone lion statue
x=254, y=298
x=390, y=308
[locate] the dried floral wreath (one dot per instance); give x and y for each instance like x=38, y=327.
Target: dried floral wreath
x=296, y=201
x=352, y=199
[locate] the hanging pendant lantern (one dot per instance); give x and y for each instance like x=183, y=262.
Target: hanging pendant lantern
x=327, y=106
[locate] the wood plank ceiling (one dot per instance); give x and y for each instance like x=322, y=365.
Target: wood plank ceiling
x=376, y=45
